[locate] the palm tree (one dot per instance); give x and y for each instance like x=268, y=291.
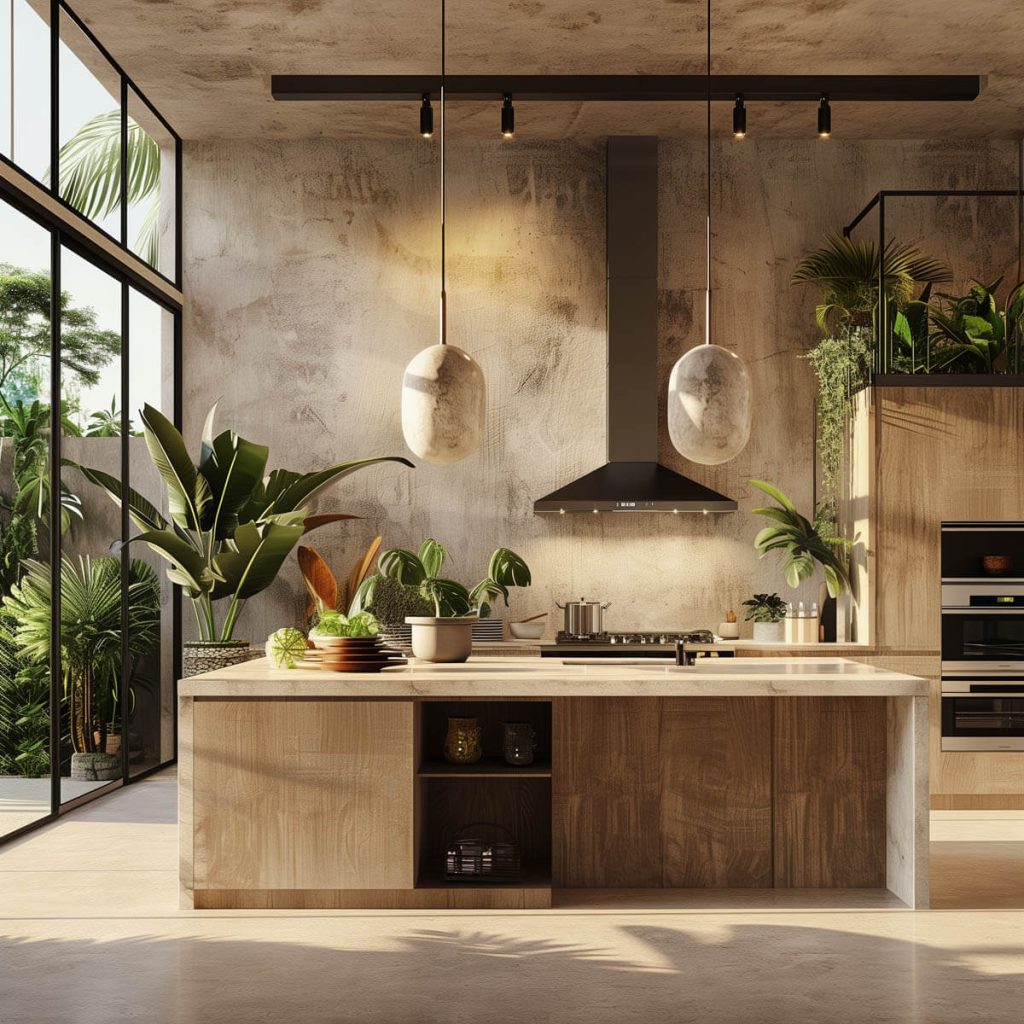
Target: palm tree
x=90, y=175
x=847, y=273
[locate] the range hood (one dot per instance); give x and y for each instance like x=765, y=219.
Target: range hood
x=632, y=480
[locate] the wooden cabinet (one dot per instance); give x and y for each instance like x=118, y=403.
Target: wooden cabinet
x=302, y=794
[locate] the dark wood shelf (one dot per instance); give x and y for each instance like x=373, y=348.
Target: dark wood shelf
x=485, y=768
x=532, y=876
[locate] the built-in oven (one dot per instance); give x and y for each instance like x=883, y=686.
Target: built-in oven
x=983, y=714
x=983, y=628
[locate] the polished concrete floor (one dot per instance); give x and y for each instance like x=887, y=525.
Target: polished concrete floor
x=91, y=934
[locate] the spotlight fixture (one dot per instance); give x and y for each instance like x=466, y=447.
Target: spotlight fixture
x=739, y=118
x=508, y=117
x=426, y=118
x=824, y=118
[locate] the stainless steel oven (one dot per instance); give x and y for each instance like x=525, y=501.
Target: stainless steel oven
x=983, y=714
x=983, y=628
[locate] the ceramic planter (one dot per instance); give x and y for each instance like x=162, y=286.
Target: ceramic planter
x=442, y=640
x=208, y=655
x=96, y=767
x=768, y=632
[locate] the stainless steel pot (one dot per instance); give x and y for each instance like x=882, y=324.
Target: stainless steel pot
x=583, y=617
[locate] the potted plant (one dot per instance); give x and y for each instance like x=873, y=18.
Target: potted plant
x=447, y=635
x=231, y=529
x=805, y=547
x=766, y=611
x=90, y=645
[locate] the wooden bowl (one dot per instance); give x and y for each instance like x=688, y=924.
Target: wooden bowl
x=996, y=565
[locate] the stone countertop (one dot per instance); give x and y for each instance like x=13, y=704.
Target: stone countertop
x=515, y=677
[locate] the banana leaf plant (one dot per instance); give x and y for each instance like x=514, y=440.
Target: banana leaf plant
x=230, y=528
x=421, y=572
x=801, y=543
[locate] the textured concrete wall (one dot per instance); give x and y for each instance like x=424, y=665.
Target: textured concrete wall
x=311, y=274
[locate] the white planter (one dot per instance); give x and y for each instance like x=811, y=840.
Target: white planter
x=442, y=640
x=768, y=632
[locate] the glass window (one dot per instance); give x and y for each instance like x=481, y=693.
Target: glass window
x=92, y=708
x=25, y=67
x=151, y=187
x=151, y=708
x=89, y=130
x=24, y=520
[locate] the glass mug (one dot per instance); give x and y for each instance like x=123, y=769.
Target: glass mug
x=519, y=742
x=462, y=744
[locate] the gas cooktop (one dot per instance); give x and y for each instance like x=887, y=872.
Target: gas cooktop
x=661, y=643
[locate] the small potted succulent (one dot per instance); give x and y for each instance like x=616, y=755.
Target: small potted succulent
x=766, y=611
x=447, y=635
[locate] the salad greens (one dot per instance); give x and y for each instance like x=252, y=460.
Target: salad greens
x=331, y=624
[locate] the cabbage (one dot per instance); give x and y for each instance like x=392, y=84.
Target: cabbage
x=362, y=624
x=286, y=647
x=331, y=624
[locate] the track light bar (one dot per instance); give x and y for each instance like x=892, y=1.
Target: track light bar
x=824, y=118
x=508, y=117
x=630, y=88
x=739, y=118
x=426, y=118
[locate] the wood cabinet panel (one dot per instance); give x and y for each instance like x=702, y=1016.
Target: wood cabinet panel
x=716, y=811
x=830, y=792
x=303, y=794
x=606, y=793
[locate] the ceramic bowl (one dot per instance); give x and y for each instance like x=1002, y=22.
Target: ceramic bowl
x=527, y=630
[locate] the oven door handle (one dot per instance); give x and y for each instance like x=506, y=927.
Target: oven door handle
x=985, y=611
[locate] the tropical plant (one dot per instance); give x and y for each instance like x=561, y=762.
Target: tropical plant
x=420, y=572
x=106, y=422
x=801, y=543
x=765, y=608
x=90, y=634
x=25, y=330
x=847, y=273
x=90, y=175
x=230, y=529
x=24, y=709
x=971, y=333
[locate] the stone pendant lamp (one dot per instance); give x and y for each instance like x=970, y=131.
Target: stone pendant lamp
x=710, y=402
x=443, y=391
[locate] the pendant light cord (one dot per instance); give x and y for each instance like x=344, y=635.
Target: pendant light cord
x=707, y=269
x=444, y=296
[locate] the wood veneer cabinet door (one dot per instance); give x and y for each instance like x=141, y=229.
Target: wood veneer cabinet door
x=716, y=812
x=303, y=794
x=830, y=792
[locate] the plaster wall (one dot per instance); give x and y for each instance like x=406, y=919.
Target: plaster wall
x=311, y=280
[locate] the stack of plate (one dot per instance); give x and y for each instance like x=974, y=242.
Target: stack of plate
x=488, y=631
x=353, y=654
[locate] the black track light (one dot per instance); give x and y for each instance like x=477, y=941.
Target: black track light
x=824, y=118
x=508, y=117
x=426, y=118
x=739, y=118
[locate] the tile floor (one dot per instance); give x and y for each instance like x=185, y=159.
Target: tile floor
x=91, y=934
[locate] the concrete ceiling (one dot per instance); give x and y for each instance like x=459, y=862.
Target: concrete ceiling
x=206, y=64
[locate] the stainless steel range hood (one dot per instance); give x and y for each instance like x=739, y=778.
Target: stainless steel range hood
x=632, y=480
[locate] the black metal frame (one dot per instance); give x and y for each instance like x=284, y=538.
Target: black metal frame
x=629, y=88
x=127, y=86
x=882, y=374
x=71, y=231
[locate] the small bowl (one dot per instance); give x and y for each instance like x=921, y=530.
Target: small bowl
x=996, y=565
x=527, y=630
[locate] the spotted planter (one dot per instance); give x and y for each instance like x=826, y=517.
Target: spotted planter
x=96, y=767
x=200, y=656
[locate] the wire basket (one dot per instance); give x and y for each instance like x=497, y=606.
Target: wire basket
x=475, y=858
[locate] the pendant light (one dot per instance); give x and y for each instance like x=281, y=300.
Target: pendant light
x=443, y=393
x=709, y=395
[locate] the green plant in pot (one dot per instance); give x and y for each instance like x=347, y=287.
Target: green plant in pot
x=447, y=635
x=90, y=644
x=766, y=611
x=230, y=529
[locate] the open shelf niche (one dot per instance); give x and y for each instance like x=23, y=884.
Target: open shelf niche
x=514, y=798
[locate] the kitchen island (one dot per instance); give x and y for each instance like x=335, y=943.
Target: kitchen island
x=309, y=789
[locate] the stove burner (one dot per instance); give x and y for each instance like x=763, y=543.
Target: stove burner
x=638, y=639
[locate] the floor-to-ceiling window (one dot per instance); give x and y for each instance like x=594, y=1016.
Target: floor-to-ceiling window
x=89, y=334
